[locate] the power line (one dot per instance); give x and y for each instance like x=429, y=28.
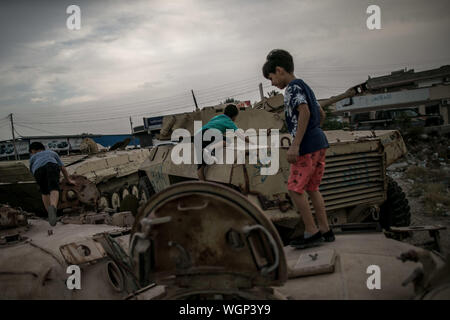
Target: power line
x=179, y=107
x=15, y=130
x=162, y=100
x=136, y=108
x=39, y=130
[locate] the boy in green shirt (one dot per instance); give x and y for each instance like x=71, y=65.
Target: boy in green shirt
x=222, y=122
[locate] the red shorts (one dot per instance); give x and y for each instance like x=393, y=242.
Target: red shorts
x=306, y=173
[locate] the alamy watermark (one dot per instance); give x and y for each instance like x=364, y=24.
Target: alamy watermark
x=73, y=22
x=374, y=280
x=74, y=280
x=259, y=150
x=374, y=20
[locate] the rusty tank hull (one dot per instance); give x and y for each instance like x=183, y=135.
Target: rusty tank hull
x=183, y=239
x=113, y=173
x=34, y=259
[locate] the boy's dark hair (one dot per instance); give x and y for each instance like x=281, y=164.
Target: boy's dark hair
x=37, y=146
x=231, y=110
x=278, y=58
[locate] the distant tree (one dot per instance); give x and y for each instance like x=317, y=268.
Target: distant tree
x=331, y=122
x=230, y=100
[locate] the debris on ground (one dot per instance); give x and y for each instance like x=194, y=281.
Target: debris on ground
x=424, y=175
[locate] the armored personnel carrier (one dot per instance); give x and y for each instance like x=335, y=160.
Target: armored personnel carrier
x=114, y=174
x=202, y=240
x=355, y=186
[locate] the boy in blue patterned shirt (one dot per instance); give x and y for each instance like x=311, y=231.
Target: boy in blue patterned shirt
x=45, y=165
x=307, y=151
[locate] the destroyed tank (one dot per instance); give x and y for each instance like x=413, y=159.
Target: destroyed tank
x=203, y=240
x=114, y=174
x=355, y=187
x=39, y=262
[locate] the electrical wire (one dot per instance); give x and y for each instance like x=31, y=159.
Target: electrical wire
x=39, y=130
x=161, y=100
x=179, y=107
x=15, y=130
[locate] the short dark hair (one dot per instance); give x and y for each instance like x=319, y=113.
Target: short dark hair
x=231, y=110
x=37, y=146
x=278, y=58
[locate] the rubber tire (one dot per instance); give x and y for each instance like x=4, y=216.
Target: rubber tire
x=146, y=187
x=123, y=190
x=111, y=201
x=107, y=197
x=133, y=186
x=395, y=211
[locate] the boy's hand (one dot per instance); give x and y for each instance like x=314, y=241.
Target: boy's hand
x=292, y=153
x=71, y=181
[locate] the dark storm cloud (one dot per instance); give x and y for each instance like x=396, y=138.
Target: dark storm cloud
x=129, y=51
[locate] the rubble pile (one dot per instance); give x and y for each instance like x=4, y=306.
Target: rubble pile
x=428, y=150
x=424, y=172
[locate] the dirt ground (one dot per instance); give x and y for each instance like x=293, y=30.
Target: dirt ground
x=420, y=217
x=424, y=176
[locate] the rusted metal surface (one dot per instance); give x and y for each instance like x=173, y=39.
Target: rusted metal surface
x=313, y=263
x=15, y=172
x=11, y=218
x=186, y=257
x=87, y=218
x=123, y=219
x=109, y=172
x=82, y=252
x=83, y=194
x=35, y=268
x=348, y=280
x=105, y=166
x=248, y=118
x=431, y=281
x=204, y=229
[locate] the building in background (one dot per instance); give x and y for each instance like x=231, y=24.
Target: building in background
x=63, y=144
x=427, y=91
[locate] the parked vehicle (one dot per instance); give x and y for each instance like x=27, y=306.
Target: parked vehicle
x=394, y=119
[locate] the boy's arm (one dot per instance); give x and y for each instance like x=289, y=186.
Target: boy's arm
x=323, y=115
x=66, y=175
x=63, y=169
x=303, y=120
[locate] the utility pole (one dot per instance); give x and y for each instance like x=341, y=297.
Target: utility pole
x=195, y=100
x=13, y=135
x=132, y=132
x=261, y=93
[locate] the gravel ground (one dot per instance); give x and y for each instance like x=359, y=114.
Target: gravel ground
x=420, y=218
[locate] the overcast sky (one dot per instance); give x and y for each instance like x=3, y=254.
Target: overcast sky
x=142, y=58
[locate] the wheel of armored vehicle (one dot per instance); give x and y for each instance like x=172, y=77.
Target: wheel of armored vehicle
x=134, y=190
x=124, y=192
x=103, y=202
x=115, y=200
x=395, y=211
x=145, y=189
x=129, y=203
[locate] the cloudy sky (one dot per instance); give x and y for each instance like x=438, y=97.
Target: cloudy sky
x=142, y=58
